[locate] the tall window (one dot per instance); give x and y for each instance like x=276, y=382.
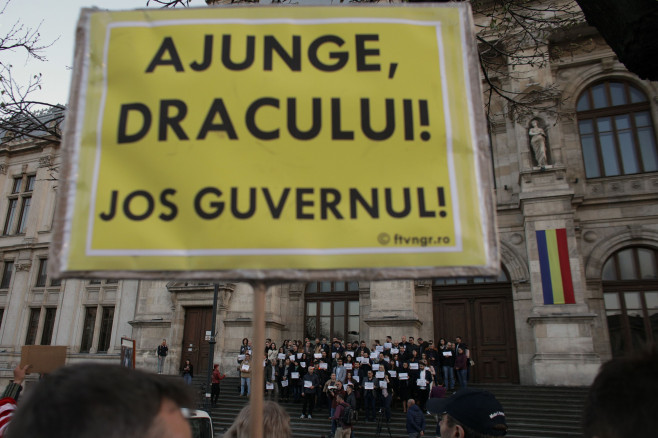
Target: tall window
x=18, y=206
x=106, y=329
x=48, y=325
x=616, y=131
x=332, y=309
x=630, y=292
x=46, y=329
x=7, y=270
x=88, y=329
x=33, y=326
x=42, y=276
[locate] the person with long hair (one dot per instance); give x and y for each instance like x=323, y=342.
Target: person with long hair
x=276, y=422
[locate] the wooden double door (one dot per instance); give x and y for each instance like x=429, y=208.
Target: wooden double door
x=198, y=324
x=484, y=318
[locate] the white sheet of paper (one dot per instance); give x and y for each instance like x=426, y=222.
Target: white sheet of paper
x=369, y=385
x=395, y=350
x=307, y=383
x=404, y=376
x=388, y=345
x=421, y=383
x=317, y=355
x=380, y=374
x=299, y=355
x=333, y=355
x=240, y=356
x=292, y=358
x=282, y=356
x=383, y=384
x=349, y=353
x=447, y=353
x=245, y=368
x=348, y=366
x=374, y=355
x=323, y=366
x=357, y=378
x=413, y=366
x=375, y=367
x=392, y=373
x=379, y=348
x=302, y=364
x=294, y=375
x=269, y=386
x=284, y=383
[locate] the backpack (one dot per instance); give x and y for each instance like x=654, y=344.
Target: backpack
x=347, y=417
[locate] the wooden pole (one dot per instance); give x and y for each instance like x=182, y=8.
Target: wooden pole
x=257, y=380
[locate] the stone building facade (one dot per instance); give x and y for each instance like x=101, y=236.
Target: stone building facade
x=597, y=189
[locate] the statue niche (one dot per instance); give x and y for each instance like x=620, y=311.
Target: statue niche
x=538, y=144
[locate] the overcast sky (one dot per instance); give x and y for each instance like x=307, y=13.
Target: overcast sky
x=57, y=20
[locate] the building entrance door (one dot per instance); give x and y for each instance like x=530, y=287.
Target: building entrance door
x=198, y=323
x=483, y=315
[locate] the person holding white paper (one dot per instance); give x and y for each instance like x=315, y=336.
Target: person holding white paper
x=369, y=395
x=245, y=376
x=403, y=384
x=448, y=367
x=423, y=383
x=284, y=379
x=311, y=382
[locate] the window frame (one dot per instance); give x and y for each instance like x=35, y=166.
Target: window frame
x=619, y=288
x=21, y=196
x=612, y=111
x=7, y=274
x=331, y=297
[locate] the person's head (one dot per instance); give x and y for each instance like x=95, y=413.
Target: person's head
x=411, y=339
x=442, y=341
x=414, y=353
x=276, y=422
x=404, y=339
x=215, y=366
x=411, y=402
x=246, y=357
x=349, y=388
x=363, y=344
x=340, y=362
x=273, y=346
x=287, y=361
x=389, y=339
x=420, y=341
x=311, y=369
x=460, y=350
x=622, y=400
x=422, y=365
x=339, y=385
x=245, y=341
x=458, y=339
x=333, y=376
x=164, y=342
x=370, y=374
x=187, y=361
x=324, y=340
x=470, y=413
x=103, y=401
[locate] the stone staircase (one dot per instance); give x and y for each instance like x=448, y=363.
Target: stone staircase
x=532, y=412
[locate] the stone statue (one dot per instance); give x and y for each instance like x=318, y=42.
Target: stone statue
x=538, y=142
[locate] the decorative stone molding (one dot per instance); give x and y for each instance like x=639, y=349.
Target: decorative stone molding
x=3, y=169
x=23, y=266
x=590, y=236
x=153, y=323
x=46, y=161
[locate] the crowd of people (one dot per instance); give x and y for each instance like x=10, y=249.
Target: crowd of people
x=369, y=378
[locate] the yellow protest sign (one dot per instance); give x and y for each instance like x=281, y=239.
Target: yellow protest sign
x=277, y=142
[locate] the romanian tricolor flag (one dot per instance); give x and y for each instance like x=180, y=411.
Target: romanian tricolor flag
x=555, y=269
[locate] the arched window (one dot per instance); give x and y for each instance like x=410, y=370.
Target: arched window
x=630, y=293
x=616, y=132
x=332, y=310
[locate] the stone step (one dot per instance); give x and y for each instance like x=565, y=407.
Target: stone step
x=532, y=412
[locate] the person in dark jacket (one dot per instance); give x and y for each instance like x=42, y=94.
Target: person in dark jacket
x=415, y=420
x=311, y=383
